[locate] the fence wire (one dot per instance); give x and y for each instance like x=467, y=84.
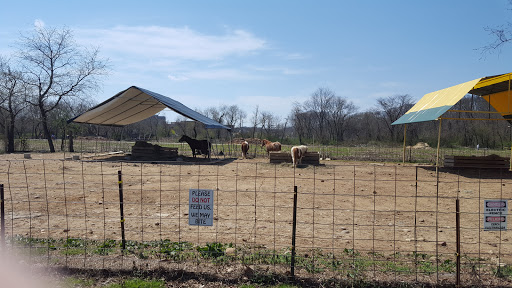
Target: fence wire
x=379, y=153
x=364, y=222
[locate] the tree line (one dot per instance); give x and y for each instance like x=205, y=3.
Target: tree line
x=49, y=78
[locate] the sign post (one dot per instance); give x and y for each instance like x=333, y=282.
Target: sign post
x=495, y=215
x=200, y=207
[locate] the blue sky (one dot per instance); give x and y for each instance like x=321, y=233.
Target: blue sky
x=273, y=53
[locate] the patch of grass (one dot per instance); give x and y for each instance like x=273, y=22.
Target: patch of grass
x=503, y=272
x=76, y=282
x=264, y=279
x=213, y=250
x=351, y=252
x=448, y=265
x=388, y=266
x=105, y=248
x=73, y=251
x=139, y=283
x=173, y=250
x=74, y=242
x=426, y=267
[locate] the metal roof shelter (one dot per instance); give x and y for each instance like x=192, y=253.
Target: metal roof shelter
x=494, y=89
x=135, y=104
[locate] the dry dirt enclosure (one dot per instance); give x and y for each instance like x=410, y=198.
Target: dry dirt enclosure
x=370, y=208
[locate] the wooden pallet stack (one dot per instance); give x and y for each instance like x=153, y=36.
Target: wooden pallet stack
x=311, y=158
x=491, y=161
x=143, y=151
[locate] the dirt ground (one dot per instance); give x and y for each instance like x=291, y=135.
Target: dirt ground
x=381, y=208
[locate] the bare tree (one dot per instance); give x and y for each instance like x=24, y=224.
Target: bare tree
x=268, y=122
x=342, y=109
x=301, y=121
x=320, y=105
x=392, y=108
x=55, y=67
x=254, y=120
x=232, y=114
x=323, y=117
x=12, y=99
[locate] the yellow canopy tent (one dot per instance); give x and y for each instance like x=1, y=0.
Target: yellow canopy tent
x=494, y=89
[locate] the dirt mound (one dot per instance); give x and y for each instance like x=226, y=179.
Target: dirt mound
x=421, y=145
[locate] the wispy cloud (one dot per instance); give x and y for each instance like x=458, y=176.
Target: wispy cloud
x=177, y=78
x=295, y=56
x=282, y=70
x=213, y=74
x=38, y=23
x=167, y=42
x=180, y=54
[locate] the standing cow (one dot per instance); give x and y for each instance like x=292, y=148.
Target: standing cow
x=298, y=152
x=245, y=149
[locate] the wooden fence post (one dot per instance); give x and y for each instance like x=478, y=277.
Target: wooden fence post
x=457, y=239
x=294, y=231
x=2, y=215
x=120, y=181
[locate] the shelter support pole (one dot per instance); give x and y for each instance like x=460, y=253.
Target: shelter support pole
x=209, y=144
x=510, y=129
x=231, y=145
x=405, y=133
x=438, y=146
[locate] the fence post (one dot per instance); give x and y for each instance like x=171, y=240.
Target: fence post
x=457, y=224
x=294, y=230
x=2, y=215
x=120, y=181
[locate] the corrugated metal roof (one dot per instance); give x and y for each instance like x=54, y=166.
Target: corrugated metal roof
x=135, y=104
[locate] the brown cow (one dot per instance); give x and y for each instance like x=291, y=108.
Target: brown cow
x=271, y=146
x=245, y=149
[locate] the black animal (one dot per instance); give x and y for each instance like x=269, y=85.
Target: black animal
x=197, y=146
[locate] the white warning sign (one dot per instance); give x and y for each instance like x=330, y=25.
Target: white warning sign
x=495, y=215
x=200, y=208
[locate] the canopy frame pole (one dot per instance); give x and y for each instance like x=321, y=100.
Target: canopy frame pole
x=508, y=98
x=438, y=146
x=231, y=144
x=405, y=133
x=209, y=144
x=475, y=119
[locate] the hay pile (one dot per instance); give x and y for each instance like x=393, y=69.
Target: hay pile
x=420, y=145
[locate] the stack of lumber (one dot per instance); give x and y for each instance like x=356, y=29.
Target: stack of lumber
x=311, y=158
x=491, y=161
x=147, y=152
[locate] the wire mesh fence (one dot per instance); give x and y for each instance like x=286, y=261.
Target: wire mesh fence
x=364, y=222
x=378, y=153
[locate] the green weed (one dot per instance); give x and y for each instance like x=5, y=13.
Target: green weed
x=139, y=283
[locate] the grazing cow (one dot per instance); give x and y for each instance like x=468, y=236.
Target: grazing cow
x=245, y=149
x=197, y=146
x=298, y=152
x=271, y=146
